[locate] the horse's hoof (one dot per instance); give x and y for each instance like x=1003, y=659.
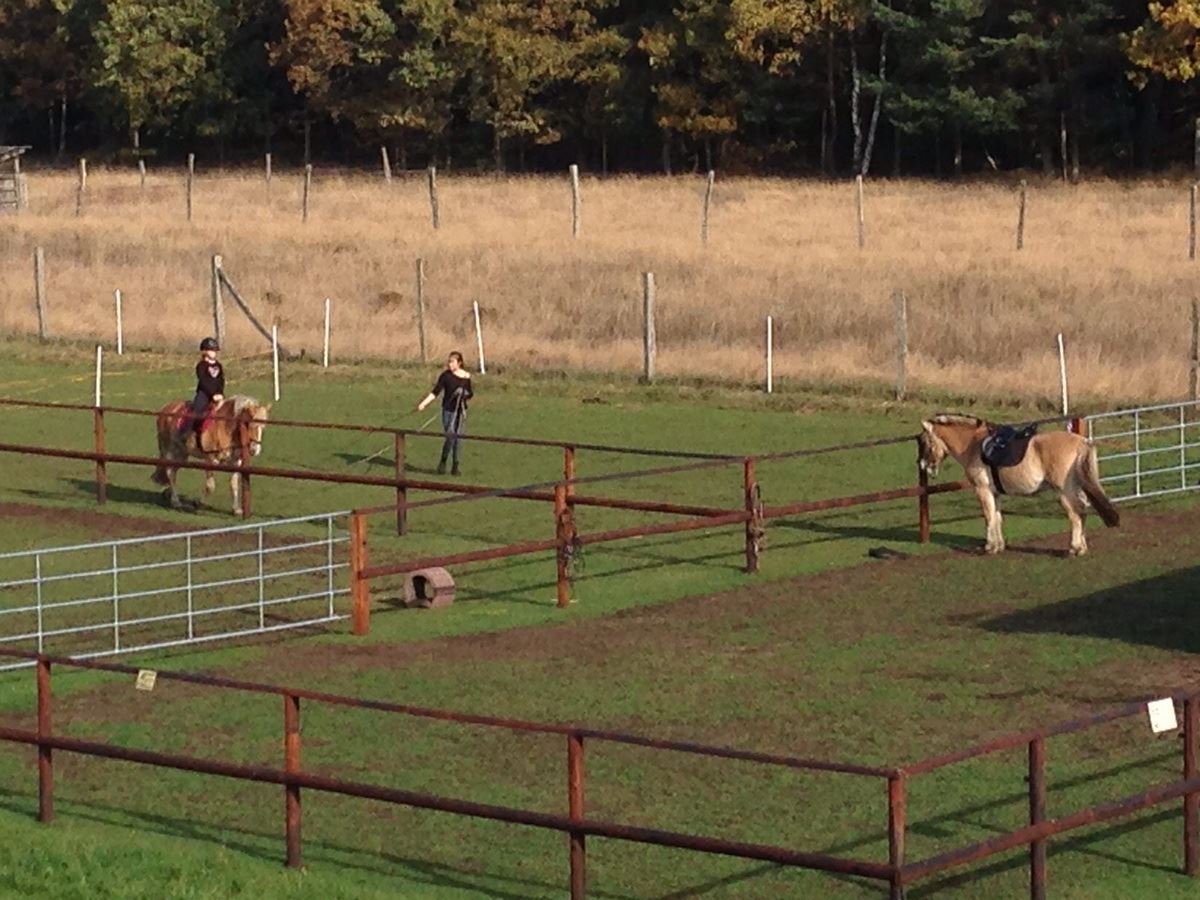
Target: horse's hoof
x=1077, y=551
x=993, y=549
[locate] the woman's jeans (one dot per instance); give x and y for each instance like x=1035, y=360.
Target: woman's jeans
x=454, y=423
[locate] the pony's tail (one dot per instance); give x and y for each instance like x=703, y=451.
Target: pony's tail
x=1089, y=481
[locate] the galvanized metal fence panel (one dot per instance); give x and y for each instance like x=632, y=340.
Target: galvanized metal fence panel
x=170, y=590
x=1149, y=451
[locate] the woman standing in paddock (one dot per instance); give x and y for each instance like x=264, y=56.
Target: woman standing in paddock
x=454, y=385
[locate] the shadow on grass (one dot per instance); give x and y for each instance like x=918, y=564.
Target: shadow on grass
x=267, y=847
x=1158, y=612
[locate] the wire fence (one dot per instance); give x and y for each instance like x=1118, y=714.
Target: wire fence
x=170, y=590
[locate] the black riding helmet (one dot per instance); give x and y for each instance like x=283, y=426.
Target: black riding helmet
x=209, y=344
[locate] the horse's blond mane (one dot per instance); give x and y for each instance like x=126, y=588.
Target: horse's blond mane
x=957, y=419
x=241, y=402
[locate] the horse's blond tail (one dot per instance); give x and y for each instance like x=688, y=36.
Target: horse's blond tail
x=1088, y=471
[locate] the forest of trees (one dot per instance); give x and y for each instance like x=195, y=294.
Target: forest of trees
x=834, y=86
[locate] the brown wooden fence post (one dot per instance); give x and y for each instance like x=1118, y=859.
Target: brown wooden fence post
x=1037, y=815
x=569, y=474
x=897, y=823
x=563, y=537
x=45, y=760
x=291, y=763
x=754, y=520
x=101, y=467
x=1191, y=802
x=923, y=506
x=360, y=589
x=575, y=801
x=401, y=490
x=244, y=476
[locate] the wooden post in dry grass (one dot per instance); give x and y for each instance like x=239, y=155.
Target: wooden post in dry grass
x=649, y=335
x=1062, y=141
x=218, y=303
x=1192, y=223
x=190, y=178
x=433, y=198
x=575, y=211
x=142, y=173
x=708, y=192
x=421, y=308
x=861, y=212
x=82, y=186
x=387, y=165
x=1194, y=361
x=1021, y=218
x=307, y=188
x=1196, y=150
x=39, y=290
x=268, y=170
x=900, y=302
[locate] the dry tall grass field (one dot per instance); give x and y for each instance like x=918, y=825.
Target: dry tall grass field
x=1105, y=263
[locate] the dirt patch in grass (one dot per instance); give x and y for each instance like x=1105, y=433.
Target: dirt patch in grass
x=89, y=519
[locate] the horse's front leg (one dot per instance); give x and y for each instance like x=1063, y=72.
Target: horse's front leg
x=991, y=515
x=235, y=484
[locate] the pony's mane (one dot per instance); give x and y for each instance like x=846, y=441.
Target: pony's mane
x=957, y=419
x=241, y=401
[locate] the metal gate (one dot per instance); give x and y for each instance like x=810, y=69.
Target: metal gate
x=169, y=590
x=1148, y=451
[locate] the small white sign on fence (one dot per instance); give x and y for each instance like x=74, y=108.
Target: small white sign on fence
x=1162, y=715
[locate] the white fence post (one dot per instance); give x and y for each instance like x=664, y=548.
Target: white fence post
x=275, y=358
x=99, y=371
x=1062, y=372
x=120, y=324
x=770, y=356
x=479, y=339
x=325, y=351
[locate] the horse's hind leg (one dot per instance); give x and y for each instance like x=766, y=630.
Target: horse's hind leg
x=172, y=491
x=1075, y=515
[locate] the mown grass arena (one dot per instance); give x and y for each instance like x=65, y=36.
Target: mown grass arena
x=833, y=678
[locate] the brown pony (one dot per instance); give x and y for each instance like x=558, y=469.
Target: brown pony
x=1058, y=460
x=220, y=442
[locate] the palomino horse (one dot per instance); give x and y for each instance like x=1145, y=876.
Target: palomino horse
x=220, y=442
x=1060, y=460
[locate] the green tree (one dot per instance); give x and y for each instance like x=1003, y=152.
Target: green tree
x=936, y=88
x=515, y=54
x=324, y=49
x=155, y=56
x=42, y=60
x=696, y=76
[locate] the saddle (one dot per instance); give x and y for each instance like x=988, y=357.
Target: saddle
x=1005, y=447
x=198, y=425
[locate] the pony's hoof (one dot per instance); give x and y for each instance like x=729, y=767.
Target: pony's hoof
x=1077, y=551
x=993, y=549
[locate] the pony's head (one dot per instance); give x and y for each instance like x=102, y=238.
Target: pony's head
x=254, y=416
x=931, y=449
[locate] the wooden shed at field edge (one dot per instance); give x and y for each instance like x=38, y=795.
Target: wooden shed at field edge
x=13, y=195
